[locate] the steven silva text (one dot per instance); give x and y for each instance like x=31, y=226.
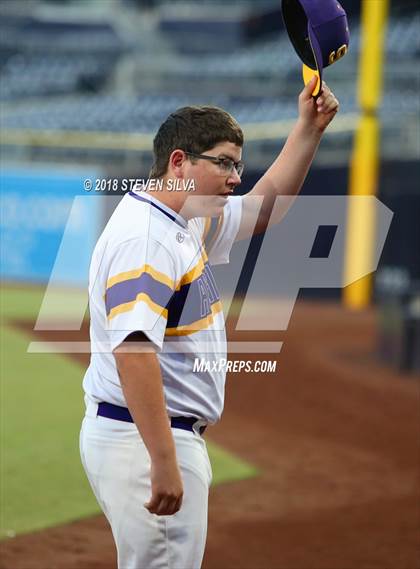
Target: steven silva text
x=234, y=366
x=172, y=185
x=138, y=184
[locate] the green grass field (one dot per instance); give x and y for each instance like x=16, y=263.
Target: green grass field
x=42, y=481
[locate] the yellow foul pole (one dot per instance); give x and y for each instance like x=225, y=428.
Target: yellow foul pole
x=364, y=164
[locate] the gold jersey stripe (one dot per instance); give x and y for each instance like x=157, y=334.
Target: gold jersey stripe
x=207, y=225
x=194, y=273
x=141, y=297
x=135, y=273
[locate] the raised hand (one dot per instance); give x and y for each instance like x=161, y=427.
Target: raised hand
x=317, y=113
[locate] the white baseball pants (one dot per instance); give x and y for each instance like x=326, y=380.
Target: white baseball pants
x=117, y=465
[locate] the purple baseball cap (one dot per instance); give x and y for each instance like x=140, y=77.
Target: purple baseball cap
x=319, y=32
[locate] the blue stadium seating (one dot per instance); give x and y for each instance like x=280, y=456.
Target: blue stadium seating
x=46, y=79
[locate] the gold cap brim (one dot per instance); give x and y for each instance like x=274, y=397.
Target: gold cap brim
x=308, y=73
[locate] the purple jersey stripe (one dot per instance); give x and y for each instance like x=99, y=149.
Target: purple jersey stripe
x=127, y=291
x=214, y=225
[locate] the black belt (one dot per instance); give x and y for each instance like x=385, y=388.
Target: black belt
x=118, y=413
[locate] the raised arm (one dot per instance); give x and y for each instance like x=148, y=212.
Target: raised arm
x=286, y=175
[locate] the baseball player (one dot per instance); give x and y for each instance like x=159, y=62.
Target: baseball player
x=154, y=308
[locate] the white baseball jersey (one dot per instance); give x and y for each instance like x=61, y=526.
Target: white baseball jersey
x=150, y=273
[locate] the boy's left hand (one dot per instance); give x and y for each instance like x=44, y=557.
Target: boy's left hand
x=318, y=112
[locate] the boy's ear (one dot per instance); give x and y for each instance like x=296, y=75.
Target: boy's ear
x=178, y=158
x=176, y=161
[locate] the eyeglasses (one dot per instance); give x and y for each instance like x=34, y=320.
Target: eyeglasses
x=226, y=165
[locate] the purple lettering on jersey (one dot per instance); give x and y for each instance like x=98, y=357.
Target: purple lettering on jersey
x=193, y=301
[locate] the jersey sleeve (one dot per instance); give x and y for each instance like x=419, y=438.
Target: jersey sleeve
x=140, y=282
x=220, y=233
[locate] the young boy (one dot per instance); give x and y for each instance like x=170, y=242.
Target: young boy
x=155, y=308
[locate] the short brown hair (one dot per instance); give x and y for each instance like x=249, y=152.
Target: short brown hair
x=193, y=129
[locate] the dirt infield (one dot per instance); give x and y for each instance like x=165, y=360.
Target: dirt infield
x=336, y=436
